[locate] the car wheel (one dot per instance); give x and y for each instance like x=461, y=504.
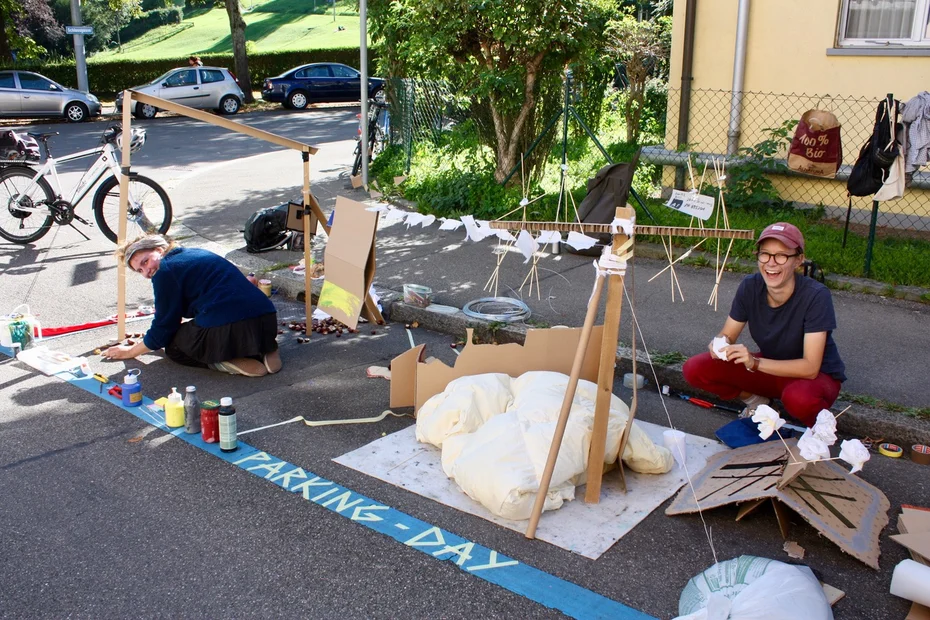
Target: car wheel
x=76, y=112
x=144, y=110
x=298, y=100
x=229, y=104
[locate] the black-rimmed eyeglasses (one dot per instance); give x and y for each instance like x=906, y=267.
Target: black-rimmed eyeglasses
x=780, y=259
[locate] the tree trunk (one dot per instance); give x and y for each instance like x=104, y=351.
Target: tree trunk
x=240, y=59
x=509, y=130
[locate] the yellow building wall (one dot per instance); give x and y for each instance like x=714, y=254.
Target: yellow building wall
x=787, y=72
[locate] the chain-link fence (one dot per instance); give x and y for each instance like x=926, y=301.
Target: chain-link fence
x=707, y=135
x=421, y=110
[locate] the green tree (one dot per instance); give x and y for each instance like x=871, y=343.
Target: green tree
x=507, y=56
x=20, y=20
x=642, y=46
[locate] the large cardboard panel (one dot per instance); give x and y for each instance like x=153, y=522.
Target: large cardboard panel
x=543, y=349
x=347, y=258
x=918, y=543
x=844, y=508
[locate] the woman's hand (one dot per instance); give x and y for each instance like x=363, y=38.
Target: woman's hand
x=739, y=354
x=119, y=352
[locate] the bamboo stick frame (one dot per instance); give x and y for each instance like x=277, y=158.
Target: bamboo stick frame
x=310, y=203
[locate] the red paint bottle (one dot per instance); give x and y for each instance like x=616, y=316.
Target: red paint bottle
x=209, y=421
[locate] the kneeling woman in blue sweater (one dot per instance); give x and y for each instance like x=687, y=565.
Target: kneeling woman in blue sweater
x=233, y=324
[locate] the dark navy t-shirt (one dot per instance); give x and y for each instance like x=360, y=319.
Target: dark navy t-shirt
x=779, y=332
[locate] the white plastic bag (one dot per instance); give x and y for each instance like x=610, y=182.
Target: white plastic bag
x=19, y=328
x=756, y=589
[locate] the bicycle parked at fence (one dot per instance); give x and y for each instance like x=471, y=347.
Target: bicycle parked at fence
x=379, y=125
x=29, y=203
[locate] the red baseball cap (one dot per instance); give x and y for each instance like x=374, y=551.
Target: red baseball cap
x=784, y=232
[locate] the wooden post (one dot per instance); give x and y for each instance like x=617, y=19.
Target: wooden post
x=308, y=281
x=556, y=444
x=605, y=372
x=123, y=211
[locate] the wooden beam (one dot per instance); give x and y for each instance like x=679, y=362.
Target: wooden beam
x=677, y=231
x=213, y=119
x=308, y=284
x=121, y=227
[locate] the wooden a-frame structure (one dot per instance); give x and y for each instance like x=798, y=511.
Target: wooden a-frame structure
x=622, y=248
x=310, y=204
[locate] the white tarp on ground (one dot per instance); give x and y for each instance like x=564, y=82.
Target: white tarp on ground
x=586, y=529
x=495, y=433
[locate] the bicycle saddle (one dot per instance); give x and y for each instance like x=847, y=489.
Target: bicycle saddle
x=43, y=136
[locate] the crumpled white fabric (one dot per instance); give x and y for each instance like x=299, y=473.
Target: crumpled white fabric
x=853, y=452
x=719, y=344
x=500, y=463
x=465, y=404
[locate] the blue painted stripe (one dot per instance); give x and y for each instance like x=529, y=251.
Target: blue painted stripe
x=470, y=557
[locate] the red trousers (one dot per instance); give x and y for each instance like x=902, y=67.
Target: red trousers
x=802, y=398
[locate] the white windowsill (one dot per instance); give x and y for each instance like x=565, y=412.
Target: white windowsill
x=878, y=51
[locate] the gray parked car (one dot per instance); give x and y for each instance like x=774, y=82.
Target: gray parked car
x=24, y=93
x=196, y=87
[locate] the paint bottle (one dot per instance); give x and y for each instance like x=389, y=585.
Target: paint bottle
x=227, y=423
x=191, y=411
x=209, y=422
x=132, y=389
x=174, y=409
x=251, y=278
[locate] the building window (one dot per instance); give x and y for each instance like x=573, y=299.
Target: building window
x=885, y=23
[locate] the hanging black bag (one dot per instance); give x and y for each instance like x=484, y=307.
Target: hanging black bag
x=878, y=153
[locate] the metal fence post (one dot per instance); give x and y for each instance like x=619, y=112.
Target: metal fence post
x=868, y=249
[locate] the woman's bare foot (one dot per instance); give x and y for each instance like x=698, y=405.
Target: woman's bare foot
x=242, y=366
x=273, y=361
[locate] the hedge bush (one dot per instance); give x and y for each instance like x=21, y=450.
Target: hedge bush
x=110, y=77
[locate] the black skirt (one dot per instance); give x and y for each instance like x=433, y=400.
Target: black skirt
x=250, y=338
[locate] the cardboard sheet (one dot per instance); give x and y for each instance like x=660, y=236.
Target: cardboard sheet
x=543, y=349
x=349, y=260
x=844, y=508
x=586, y=529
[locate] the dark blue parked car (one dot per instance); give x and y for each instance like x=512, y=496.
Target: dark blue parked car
x=318, y=82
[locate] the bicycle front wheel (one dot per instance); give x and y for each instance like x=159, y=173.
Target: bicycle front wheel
x=149, y=208
x=17, y=225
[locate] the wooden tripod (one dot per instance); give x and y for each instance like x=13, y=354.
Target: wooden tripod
x=610, y=339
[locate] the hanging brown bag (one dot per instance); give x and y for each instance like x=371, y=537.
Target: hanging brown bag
x=816, y=148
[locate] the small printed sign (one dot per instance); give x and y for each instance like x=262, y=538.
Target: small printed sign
x=691, y=203
x=79, y=30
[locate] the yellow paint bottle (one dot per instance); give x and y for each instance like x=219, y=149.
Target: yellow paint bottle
x=174, y=409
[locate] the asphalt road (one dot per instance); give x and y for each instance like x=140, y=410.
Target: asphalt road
x=104, y=516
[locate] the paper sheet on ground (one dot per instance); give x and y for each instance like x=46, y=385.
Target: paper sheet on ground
x=586, y=529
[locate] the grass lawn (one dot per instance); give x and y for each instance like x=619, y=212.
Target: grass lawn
x=272, y=25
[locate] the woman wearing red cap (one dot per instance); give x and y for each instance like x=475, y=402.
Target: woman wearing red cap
x=791, y=319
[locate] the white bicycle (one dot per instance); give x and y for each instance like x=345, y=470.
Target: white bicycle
x=29, y=204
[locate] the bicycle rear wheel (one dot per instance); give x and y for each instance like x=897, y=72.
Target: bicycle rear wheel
x=17, y=225
x=149, y=208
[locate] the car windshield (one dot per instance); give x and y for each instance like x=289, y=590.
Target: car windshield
x=162, y=77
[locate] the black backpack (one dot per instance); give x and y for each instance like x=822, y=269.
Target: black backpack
x=878, y=153
x=266, y=229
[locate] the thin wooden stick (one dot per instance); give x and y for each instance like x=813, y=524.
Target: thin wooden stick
x=664, y=269
x=567, y=400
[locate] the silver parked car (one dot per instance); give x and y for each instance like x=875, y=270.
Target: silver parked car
x=196, y=87
x=24, y=93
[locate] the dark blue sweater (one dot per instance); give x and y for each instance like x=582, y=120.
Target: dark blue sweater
x=197, y=284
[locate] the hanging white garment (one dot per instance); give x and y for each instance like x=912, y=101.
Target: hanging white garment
x=893, y=187
x=917, y=118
